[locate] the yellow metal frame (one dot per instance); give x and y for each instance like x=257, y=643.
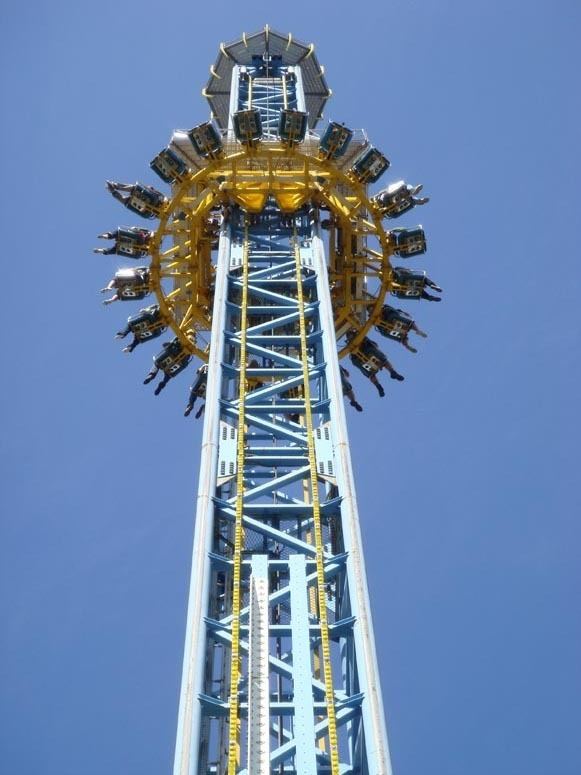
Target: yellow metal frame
x=234, y=724
x=318, y=533
x=247, y=177
x=235, y=663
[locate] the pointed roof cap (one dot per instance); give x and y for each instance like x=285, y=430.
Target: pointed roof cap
x=267, y=41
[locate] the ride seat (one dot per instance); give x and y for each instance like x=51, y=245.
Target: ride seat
x=132, y=242
x=206, y=140
x=395, y=200
x=408, y=283
x=394, y=323
x=145, y=201
x=247, y=126
x=408, y=242
x=370, y=165
x=335, y=140
x=168, y=165
x=292, y=126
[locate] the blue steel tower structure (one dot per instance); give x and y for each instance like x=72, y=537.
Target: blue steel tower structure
x=270, y=261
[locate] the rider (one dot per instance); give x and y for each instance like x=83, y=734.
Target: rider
x=369, y=359
x=348, y=389
x=171, y=360
x=398, y=198
x=147, y=324
x=129, y=241
x=397, y=324
x=413, y=284
x=198, y=390
x=129, y=284
x=143, y=200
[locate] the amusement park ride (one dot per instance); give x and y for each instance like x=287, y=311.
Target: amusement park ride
x=270, y=262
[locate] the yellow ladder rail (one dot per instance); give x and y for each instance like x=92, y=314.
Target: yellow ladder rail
x=234, y=723
x=323, y=621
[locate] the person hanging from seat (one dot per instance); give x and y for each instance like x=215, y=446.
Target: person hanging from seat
x=198, y=390
x=254, y=383
x=130, y=241
x=397, y=324
x=212, y=226
x=293, y=393
x=398, y=198
x=369, y=359
x=129, y=285
x=329, y=223
x=412, y=284
x=348, y=389
x=143, y=200
x=171, y=360
x=147, y=324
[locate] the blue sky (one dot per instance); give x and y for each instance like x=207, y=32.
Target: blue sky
x=467, y=472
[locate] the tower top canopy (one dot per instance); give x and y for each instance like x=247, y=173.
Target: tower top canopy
x=267, y=43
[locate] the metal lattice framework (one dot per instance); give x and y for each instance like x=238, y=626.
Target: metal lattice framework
x=277, y=516
x=268, y=252
x=183, y=272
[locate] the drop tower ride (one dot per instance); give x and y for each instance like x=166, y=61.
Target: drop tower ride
x=269, y=263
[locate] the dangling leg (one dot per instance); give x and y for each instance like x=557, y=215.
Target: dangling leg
x=392, y=372
x=112, y=185
x=122, y=334
x=162, y=384
x=377, y=384
x=432, y=284
x=200, y=411
x=418, y=330
x=428, y=297
x=152, y=375
x=190, y=404
x=353, y=401
x=118, y=195
x=131, y=346
x=407, y=345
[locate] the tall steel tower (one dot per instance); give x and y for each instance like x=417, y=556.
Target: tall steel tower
x=269, y=251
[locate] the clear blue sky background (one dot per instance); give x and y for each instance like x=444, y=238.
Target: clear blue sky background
x=467, y=472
